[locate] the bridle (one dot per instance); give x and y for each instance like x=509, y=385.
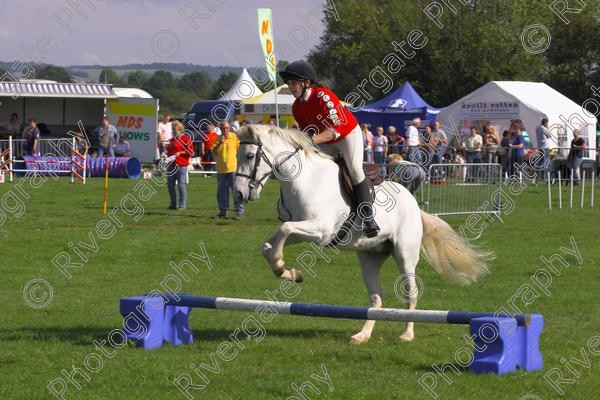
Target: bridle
x=260, y=155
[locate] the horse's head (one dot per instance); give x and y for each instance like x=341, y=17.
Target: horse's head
x=254, y=166
x=267, y=151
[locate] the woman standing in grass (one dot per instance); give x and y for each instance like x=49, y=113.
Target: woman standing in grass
x=180, y=150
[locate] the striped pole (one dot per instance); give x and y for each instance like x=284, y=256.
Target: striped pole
x=331, y=311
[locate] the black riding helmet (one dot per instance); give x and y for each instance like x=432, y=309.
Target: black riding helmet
x=300, y=71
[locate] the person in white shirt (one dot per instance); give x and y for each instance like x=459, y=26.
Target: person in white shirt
x=412, y=137
x=123, y=148
x=380, y=148
x=235, y=125
x=164, y=132
x=543, y=141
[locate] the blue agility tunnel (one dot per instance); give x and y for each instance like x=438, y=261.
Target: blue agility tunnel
x=118, y=167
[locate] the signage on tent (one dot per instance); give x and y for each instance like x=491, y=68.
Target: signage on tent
x=497, y=110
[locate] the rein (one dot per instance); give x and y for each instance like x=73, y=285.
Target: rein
x=260, y=155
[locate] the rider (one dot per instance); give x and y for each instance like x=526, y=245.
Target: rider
x=318, y=112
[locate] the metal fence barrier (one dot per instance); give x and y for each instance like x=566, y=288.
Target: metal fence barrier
x=455, y=189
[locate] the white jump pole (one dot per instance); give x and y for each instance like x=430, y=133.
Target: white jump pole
x=559, y=191
x=571, y=195
x=73, y=148
x=593, y=184
x=549, y=192
x=582, y=188
x=10, y=156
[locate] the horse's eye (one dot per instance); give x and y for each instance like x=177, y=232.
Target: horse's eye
x=250, y=156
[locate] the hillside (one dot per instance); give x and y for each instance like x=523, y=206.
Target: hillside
x=92, y=72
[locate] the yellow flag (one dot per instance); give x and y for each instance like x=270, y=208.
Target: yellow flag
x=265, y=32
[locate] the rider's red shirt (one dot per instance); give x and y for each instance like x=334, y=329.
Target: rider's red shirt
x=322, y=110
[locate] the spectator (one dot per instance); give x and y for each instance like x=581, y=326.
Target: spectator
x=391, y=137
x=408, y=174
x=400, y=143
x=225, y=150
x=164, y=132
x=123, y=149
x=412, y=140
x=380, y=147
x=31, y=137
x=368, y=142
x=543, y=140
x=12, y=125
x=473, y=146
x=503, y=152
x=81, y=144
x=426, y=148
x=179, y=150
x=576, y=155
x=235, y=125
x=208, y=140
x=517, y=152
x=491, y=142
x=108, y=138
x=439, y=140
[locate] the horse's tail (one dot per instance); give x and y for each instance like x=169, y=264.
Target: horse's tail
x=450, y=254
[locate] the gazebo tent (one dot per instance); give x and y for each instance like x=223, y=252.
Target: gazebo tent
x=243, y=89
x=262, y=107
x=398, y=108
x=501, y=102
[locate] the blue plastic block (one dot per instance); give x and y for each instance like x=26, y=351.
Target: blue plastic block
x=533, y=357
x=502, y=345
x=175, y=326
x=143, y=320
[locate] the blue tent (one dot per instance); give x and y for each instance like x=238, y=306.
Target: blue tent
x=403, y=104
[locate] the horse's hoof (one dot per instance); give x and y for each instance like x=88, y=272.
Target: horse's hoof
x=296, y=275
x=266, y=249
x=359, y=338
x=407, y=337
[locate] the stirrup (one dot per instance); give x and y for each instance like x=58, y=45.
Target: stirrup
x=370, y=228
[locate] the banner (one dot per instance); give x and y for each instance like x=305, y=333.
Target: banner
x=136, y=119
x=266, y=40
x=494, y=110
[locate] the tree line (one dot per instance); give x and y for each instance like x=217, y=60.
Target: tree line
x=468, y=43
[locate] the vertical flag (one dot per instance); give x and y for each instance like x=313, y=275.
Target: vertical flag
x=266, y=39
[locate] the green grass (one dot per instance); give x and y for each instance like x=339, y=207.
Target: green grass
x=36, y=344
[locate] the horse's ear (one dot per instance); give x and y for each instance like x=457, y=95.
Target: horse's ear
x=250, y=131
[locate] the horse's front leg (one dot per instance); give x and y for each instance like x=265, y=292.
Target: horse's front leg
x=288, y=233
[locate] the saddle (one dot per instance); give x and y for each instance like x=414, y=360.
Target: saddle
x=371, y=173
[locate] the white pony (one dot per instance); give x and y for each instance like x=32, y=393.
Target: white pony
x=315, y=207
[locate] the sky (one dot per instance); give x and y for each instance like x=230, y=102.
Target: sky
x=114, y=32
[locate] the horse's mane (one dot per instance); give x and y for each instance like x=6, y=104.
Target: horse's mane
x=295, y=137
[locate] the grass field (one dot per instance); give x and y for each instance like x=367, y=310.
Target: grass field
x=36, y=344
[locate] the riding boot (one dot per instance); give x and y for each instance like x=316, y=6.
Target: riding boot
x=365, y=209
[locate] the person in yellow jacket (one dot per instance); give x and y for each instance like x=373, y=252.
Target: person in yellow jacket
x=225, y=151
